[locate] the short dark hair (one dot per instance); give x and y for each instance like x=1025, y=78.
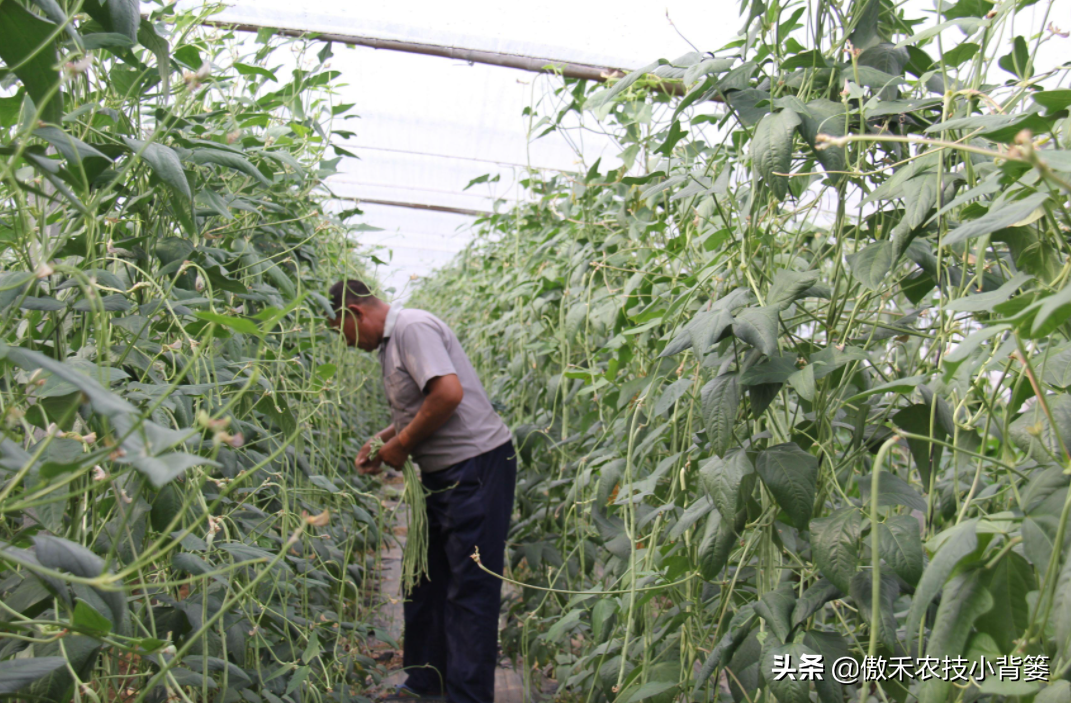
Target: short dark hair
x=353, y=291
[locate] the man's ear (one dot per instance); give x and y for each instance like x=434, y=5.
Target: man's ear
x=357, y=311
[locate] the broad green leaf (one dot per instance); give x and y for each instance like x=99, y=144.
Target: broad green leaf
x=1053, y=100
x=775, y=607
x=708, y=327
x=718, y=540
x=862, y=592
x=165, y=164
x=789, y=286
x=229, y=160
x=1008, y=582
x=901, y=385
x=16, y=674
x=791, y=475
x=985, y=302
x=835, y=545
x=892, y=490
x=1006, y=215
x=788, y=689
x=671, y=395
x=86, y=617
x=64, y=555
x=824, y=116
x=1052, y=312
x=26, y=47
x=959, y=542
x=1034, y=434
x=161, y=470
x=238, y=324
x=726, y=480
x=872, y=264
x=739, y=628
x=771, y=149
x=121, y=16
x=900, y=546
x=721, y=401
x=965, y=599
x=758, y=327
x=812, y=600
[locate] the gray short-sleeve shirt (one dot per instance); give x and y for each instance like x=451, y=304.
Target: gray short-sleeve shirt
x=417, y=347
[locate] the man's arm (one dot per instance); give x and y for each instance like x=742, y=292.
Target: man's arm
x=444, y=395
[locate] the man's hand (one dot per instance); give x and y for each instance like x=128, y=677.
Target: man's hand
x=393, y=453
x=366, y=466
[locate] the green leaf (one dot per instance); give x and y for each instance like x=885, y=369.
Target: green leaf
x=1034, y=434
x=725, y=480
x=789, y=286
x=771, y=149
x=166, y=165
x=985, y=302
x=238, y=324
x=122, y=16
x=739, y=628
x=1017, y=61
x=1052, y=312
x=959, y=541
x=251, y=70
x=892, y=490
x=758, y=327
x=821, y=592
x=229, y=160
x=1006, y=215
x=835, y=545
x=161, y=470
x=671, y=395
x=25, y=45
x=73, y=149
x=900, y=545
x=1053, y=100
x=707, y=328
x=791, y=475
x=964, y=600
x=900, y=385
x=151, y=40
x=721, y=401
x=16, y=674
x=718, y=540
x=825, y=117
x=775, y=607
x=788, y=689
x=1009, y=582
x=86, y=617
x=64, y=555
x=862, y=592
x=872, y=264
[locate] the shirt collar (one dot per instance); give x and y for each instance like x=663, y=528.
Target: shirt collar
x=392, y=319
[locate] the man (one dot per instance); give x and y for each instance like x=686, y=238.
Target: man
x=443, y=419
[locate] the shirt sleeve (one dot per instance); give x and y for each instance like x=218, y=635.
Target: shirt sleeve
x=423, y=353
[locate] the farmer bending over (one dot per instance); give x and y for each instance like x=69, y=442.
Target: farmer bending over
x=443, y=419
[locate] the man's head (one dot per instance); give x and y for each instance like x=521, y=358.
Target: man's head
x=359, y=315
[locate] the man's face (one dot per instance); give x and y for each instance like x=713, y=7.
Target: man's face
x=352, y=323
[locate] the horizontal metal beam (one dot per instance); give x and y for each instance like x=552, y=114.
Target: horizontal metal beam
x=417, y=206
x=569, y=69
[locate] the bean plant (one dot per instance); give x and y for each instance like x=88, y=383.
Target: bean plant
x=793, y=379
x=179, y=518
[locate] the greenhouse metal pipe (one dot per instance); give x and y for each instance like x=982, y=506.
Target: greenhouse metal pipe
x=492, y=58
x=418, y=206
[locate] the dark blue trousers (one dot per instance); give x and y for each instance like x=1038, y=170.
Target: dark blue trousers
x=451, y=617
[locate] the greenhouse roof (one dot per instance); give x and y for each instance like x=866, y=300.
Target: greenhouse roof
x=430, y=125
